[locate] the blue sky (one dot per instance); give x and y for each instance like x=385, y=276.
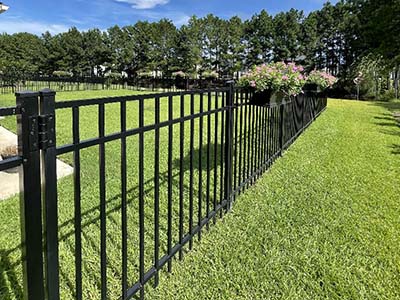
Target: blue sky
x=37, y=16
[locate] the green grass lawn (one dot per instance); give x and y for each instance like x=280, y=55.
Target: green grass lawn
x=323, y=223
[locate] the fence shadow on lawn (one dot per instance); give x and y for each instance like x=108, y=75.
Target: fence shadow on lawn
x=8, y=273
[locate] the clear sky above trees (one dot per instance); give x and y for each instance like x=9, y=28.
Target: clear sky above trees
x=57, y=16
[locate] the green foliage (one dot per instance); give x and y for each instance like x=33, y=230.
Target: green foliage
x=210, y=75
x=370, y=71
x=286, y=35
x=62, y=74
x=387, y=95
x=21, y=53
x=258, y=35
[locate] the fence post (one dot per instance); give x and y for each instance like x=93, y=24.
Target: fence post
x=281, y=127
x=30, y=196
x=229, y=145
x=49, y=183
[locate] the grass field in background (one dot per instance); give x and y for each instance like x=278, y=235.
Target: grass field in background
x=323, y=223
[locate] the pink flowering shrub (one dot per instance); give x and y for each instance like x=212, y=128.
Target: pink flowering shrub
x=278, y=77
x=322, y=79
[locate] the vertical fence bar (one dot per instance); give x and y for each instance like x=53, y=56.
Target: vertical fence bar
x=157, y=191
x=77, y=204
x=215, y=155
x=249, y=146
x=191, y=171
x=102, y=183
x=170, y=150
x=257, y=143
x=141, y=198
x=208, y=156
x=261, y=142
x=124, y=223
x=244, y=139
x=181, y=174
x=241, y=138
x=222, y=191
x=281, y=127
x=235, y=143
x=228, y=145
x=49, y=184
x=200, y=183
x=30, y=196
x=254, y=120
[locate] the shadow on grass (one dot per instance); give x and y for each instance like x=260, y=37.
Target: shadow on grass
x=10, y=284
x=395, y=149
x=390, y=123
x=390, y=105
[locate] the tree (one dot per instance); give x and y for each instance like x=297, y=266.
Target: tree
x=286, y=35
x=258, y=35
x=163, y=48
x=187, y=52
x=309, y=41
x=21, y=53
x=232, y=56
x=72, y=44
x=95, y=50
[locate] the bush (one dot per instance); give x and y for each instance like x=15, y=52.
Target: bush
x=279, y=77
x=113, y=75
x=322, y=79
x=387, y=95
x=62, y=74
x=180, y=74
x=210, y=75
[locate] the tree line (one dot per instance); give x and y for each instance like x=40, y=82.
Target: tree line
x=342, y=39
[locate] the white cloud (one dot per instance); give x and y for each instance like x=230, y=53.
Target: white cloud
x=178, y=18
x=14, y=25
x=144, y=4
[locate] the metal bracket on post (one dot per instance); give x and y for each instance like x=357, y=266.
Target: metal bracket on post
x=229, y=145
x=47, y=142
x=46, y=133
x=30, y=196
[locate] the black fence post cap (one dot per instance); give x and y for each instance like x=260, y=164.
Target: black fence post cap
x=26, y=94
x=47, y=92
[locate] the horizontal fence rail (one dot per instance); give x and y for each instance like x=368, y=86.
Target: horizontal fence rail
x=151, y=172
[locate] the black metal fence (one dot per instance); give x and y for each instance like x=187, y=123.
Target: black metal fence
x=63, y=84
x=182, y=159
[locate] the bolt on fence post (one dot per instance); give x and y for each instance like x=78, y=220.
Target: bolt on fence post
x=49, y=183
x=229, y=145
x=30, y=196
